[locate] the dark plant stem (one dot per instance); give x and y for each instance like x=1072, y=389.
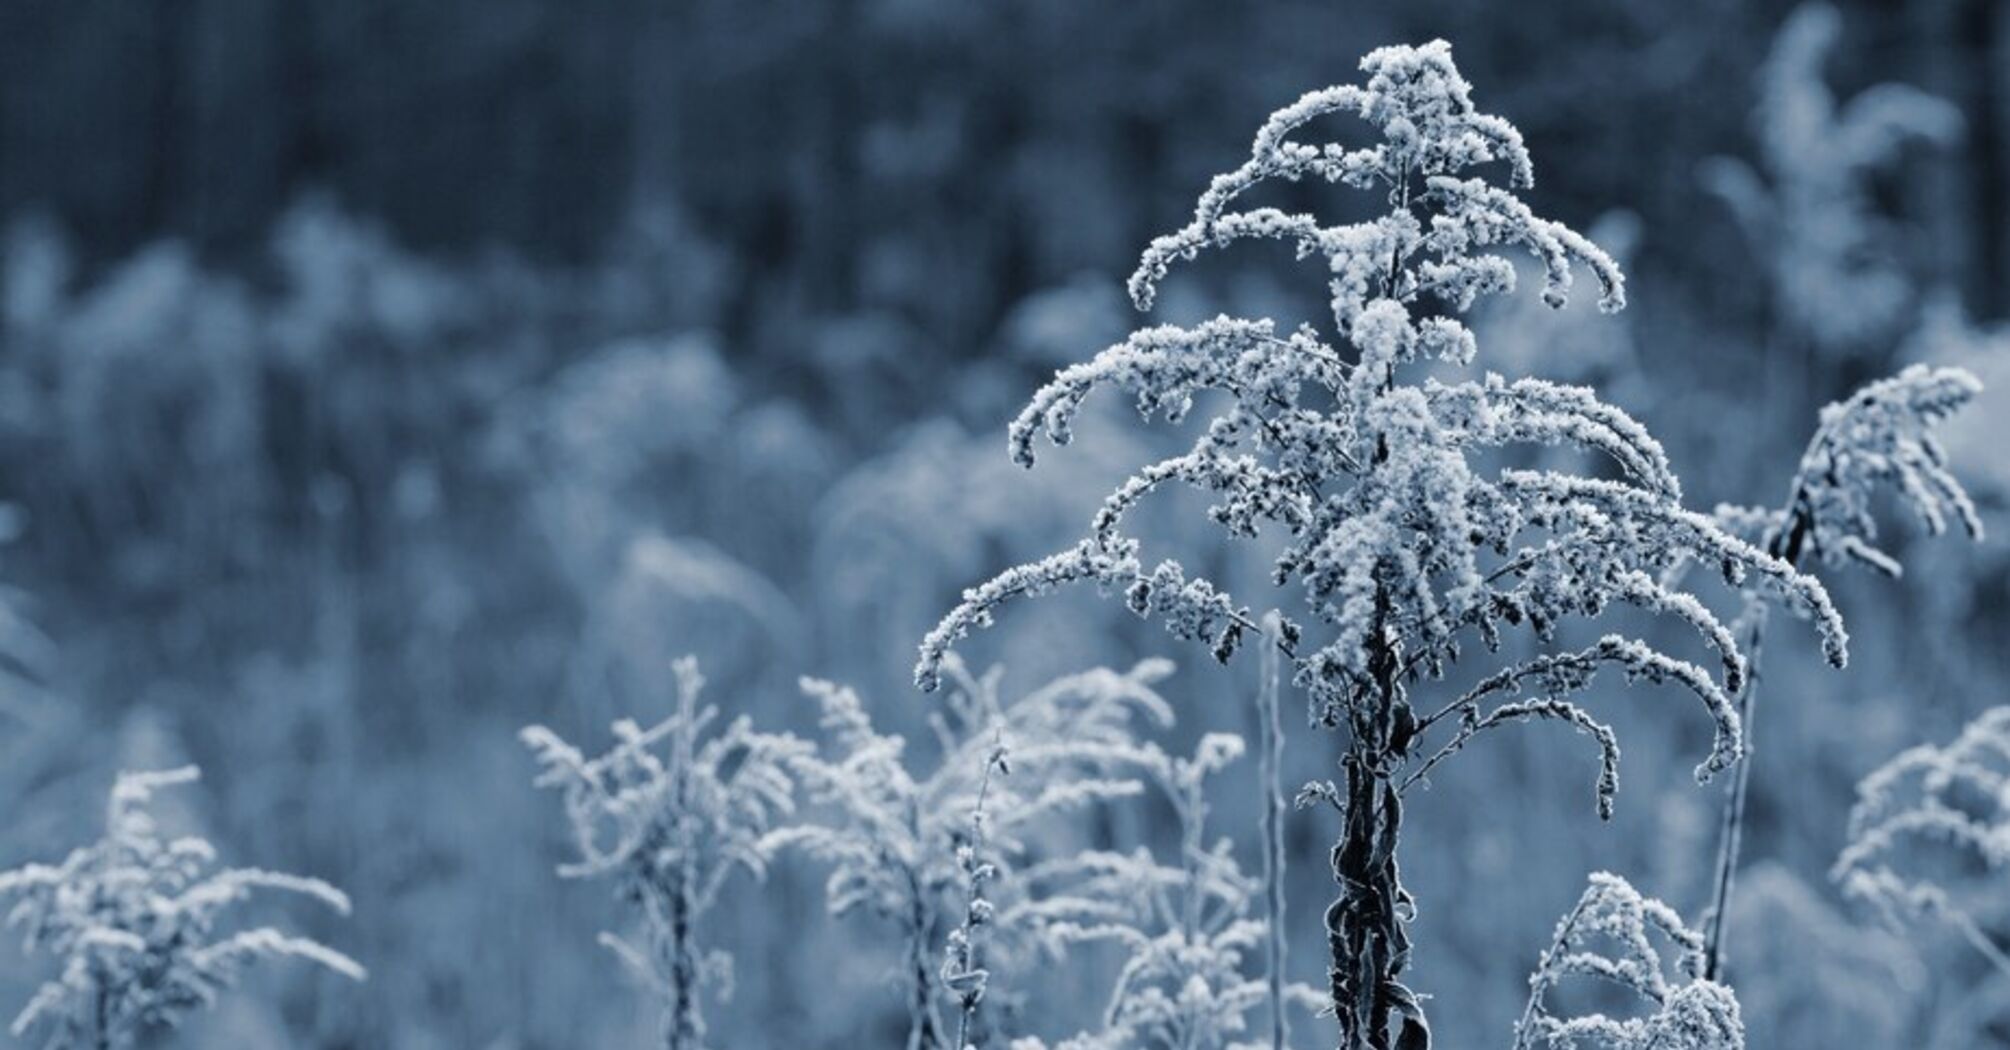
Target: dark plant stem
x=682, y=1029
x=1363, y=933
x=1731, y=830
x=683, y=975
x=1270, y=761
x=101, y=1016
x=1785, y=544
x=1367, y=944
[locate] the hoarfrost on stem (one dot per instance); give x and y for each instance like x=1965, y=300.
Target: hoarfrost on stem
x=1882, y=434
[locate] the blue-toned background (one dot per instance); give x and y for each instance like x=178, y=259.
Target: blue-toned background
x=377, y=377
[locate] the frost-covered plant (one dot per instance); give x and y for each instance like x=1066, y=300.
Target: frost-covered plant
x=963, y=972
x=908, y=850
x=1832, y=258
x=1186, y=928
x=670, y=830
x=134, y=919
x=1881, y=436
x=1924, y=804
x=1947, y=335
x=1614, y=936
x=1405, y=539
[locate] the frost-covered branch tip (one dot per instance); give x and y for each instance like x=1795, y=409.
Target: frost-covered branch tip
x=1882, y=434
x=1617, y=936
x=1430, y=135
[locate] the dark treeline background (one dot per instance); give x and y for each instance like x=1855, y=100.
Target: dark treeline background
x=814, y=140
x=378, y=376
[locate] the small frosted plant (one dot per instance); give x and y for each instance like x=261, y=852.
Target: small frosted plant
x=135, y=921
x=1615, y=936
x=1834, y=270
x=1405, y=536
x=910, y=850
x=1924, y=808
x=1880, y=437
x=669, y=830
x=963, y=972
x=1186, y=928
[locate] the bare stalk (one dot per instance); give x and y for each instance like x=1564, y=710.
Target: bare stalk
x=1731, y=829
x=1270, y=760
x=1786, y=544
x=1524, y=1032
x=964, y=971
x=683, y=1027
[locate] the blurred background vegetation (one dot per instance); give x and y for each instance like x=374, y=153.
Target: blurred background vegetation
x=376, y=377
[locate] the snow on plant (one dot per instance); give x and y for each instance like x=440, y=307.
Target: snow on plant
x=1613, y=936
x=1186, y=928
x=1403, y=541
x=1881, y=436
x=963, y=972
x=1577, y=344
x=134, y=919
x=670, y=830
x=908, y=849
x=1946, y=335
x=1831, y=255
x=1924, y=805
